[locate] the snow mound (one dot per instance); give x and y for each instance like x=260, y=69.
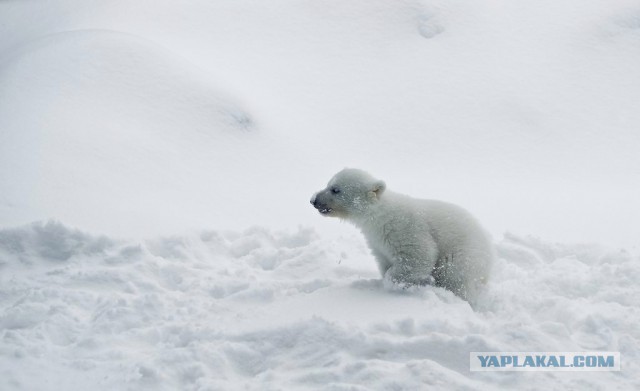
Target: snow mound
x=262, y=309
x=97, y=124
x=120, y=74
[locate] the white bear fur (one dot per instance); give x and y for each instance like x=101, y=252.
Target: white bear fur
x=414, y=241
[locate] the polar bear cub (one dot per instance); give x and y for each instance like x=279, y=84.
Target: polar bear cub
x=414, y=241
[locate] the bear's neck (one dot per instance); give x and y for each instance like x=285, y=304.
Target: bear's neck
x=375, y=211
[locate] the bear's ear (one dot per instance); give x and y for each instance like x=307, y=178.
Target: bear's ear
x=377, y=189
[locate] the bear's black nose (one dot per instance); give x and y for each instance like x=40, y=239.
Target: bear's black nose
x=317, y=203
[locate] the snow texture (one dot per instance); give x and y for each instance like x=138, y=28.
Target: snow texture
x=170, y=128
x=290, y=310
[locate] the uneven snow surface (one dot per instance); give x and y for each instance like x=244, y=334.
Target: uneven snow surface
x=192, y=134
x=269, y=310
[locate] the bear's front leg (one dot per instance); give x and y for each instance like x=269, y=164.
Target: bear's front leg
x=410, y=273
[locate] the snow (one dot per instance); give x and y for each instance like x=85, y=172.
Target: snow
x=184, y=142
x=261, y=309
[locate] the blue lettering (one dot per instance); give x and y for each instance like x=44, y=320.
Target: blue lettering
x=605, y=361
x=528, y=362
x=574, y=360
x=505, y=360
x=483, y=361
x=540, y=361
x=493, y=361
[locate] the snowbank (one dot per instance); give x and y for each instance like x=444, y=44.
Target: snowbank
x=292, y=310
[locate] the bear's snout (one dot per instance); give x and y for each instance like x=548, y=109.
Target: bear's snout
x=321, y=206
x=314, y=201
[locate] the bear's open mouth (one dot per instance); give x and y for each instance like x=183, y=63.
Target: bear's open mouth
x=325, y=210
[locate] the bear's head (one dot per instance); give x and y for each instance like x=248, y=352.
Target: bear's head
x=349, y=193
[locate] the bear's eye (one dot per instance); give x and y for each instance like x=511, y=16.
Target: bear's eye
x=335, y=190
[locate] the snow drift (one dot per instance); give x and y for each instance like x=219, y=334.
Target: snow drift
x=268, y=310
x=103, y=123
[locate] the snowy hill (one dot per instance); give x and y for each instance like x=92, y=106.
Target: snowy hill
x=192, y=135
